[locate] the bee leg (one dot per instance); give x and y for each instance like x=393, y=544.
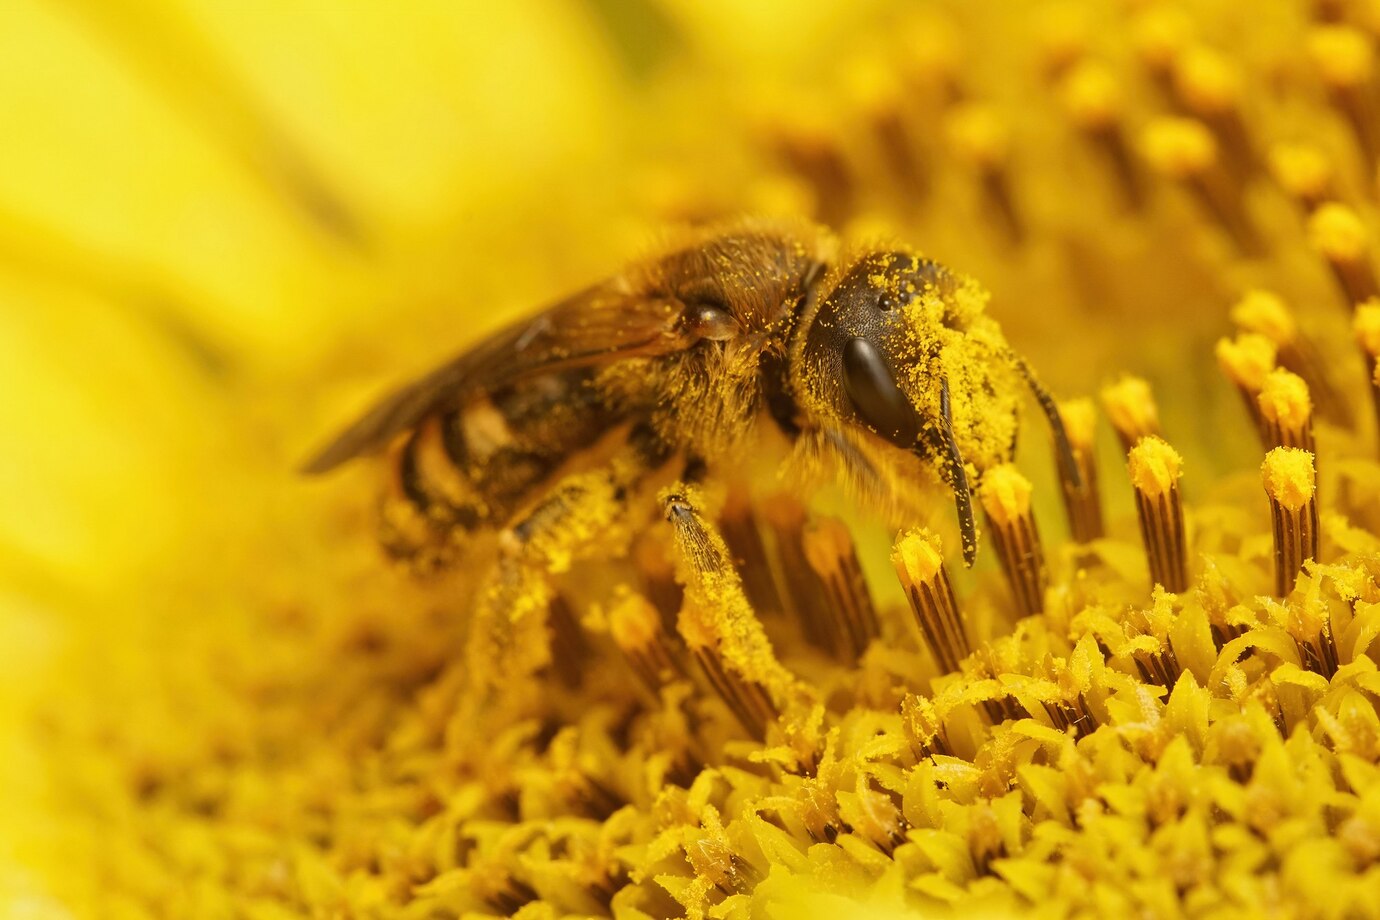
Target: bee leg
x=583, y=517
x=1056, y=422
x=941, y=440
x=717, y=622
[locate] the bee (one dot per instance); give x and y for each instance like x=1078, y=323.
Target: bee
x=872, y=363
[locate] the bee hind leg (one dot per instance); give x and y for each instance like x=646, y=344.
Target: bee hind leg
x=583, y=517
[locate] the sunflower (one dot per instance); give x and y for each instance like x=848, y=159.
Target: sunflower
x=223, y=228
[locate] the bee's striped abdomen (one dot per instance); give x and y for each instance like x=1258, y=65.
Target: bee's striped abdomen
x=472, y=468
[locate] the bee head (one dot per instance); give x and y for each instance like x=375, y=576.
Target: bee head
x=901, y=347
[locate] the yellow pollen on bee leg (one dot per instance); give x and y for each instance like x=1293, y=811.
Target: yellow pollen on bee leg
x=918, y=557
x=1131, y=408
x=1155, y=470
x=1290, y=484
x=719, y=625
x=1005, y=496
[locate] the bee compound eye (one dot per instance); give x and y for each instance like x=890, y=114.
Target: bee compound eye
x=874, y=394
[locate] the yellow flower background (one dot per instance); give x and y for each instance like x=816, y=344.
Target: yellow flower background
x=225, y=227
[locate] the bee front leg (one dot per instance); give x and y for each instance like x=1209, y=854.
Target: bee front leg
x=718, y=623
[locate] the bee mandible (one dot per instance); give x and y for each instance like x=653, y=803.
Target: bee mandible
x=865, y=360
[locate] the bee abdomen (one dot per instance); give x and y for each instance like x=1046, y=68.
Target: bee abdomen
x=471, y=468
x=428, y=502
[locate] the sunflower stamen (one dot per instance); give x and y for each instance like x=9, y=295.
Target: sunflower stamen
x=1131, y=408
x=1155, y=469
x=1081, y=498
x=1208, y=84
x=1344, y=58
x=981, y=137
x=1092, y=99
x=1005, y=495
x=1366, y=325
x=1289, y=481
x=636, y=627
x=1186, y=151
x=829, y=550
x=1304, y=172
x=1286, y=411
x=1337, y=232
x=743, y=533
x=1246, y=360
x=797, y=584
x=1265, y=314
x=919, y=561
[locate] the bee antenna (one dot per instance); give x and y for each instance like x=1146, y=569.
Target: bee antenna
x=958, y=474
x=1056, y=421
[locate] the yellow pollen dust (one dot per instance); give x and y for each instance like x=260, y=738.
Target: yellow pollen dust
x=918, y=556
x=1288, y=477
x=1247, y=359
x=1005, y=494
x=1155, y=466
x=1264, y=312
x=1091, y=95
x=1080, y=421
x=1179, y=147
x=1303, y=170
x=1337, y=232
x=1366, y=325
x=1284, y=399
x=1130, y=405
x=1343, y=56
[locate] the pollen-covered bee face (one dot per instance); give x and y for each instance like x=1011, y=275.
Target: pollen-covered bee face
x=854, y=351
x=900, y=347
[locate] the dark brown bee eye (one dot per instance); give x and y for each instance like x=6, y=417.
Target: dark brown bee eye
x=877, y=399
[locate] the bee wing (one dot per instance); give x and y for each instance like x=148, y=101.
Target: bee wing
x=601, y=324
